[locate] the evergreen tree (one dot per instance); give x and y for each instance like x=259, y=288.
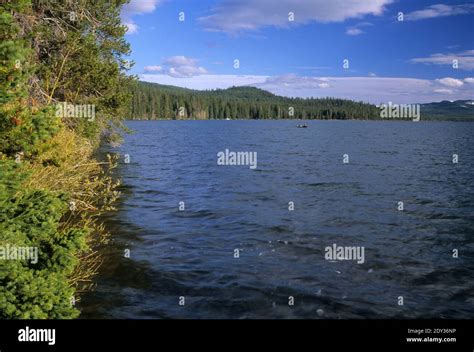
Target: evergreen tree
x=240, y=103
x=23, y=127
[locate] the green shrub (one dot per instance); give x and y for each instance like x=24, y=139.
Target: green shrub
x=31, y=219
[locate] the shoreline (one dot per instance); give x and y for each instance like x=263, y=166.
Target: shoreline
x=371, y=120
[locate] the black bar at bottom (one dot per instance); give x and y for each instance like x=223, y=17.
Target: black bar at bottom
x=403, y=335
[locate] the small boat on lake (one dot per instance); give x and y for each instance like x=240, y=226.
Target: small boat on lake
x=302, y=126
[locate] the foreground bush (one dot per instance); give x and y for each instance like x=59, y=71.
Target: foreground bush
x=30, y=289
x=52, y=190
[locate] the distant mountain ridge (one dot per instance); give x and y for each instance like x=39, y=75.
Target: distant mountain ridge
x=156, y=101
x=448, y=110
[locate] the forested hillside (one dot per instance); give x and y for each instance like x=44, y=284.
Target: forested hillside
x=154, y=101
x=458, y=110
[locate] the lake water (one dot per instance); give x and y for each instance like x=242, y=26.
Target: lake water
x=409, y=254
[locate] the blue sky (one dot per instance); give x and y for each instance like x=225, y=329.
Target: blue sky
x=298, y=47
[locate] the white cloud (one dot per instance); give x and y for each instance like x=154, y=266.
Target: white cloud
x=312, y=68
x=233, y=16
x=371, y=89
x=465, y=59
x=469, y=80
x=186, y=71
x=440, y=10
x=132, y=28
x=136, y=7
x=179, y=60
x=204, y=82
x=443, y=91
x=140, y=6
x=450, y=82
x=153, y=68
x=354, y=31
x=178, y=66
x=182, y=66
